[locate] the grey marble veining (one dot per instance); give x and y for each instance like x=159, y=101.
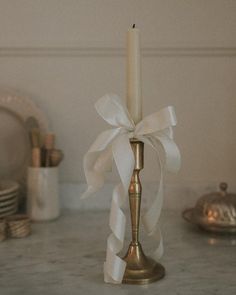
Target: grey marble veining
x=66, y=257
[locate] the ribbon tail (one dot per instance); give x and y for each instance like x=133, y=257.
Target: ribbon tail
x=98, y=160
x=150, y=221
x=151, y=218
x=114, y=266
x=172, y=163
x=172, y=153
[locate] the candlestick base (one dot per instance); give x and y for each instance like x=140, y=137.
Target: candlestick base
x=141, y=269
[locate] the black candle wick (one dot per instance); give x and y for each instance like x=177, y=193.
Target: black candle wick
x=133, y=26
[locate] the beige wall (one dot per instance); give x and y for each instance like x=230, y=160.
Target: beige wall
x=66, y=54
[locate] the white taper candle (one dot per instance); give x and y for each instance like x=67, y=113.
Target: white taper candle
x=134, y=87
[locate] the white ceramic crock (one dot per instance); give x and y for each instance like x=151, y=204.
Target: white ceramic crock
x=42, y=193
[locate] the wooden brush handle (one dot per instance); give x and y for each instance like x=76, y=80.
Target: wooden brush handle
x=35, y=137
x=49, y=141
x=36, y=157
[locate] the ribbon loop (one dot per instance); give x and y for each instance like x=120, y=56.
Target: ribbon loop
x=156, y=131
x=157, y=121
x=112, y=109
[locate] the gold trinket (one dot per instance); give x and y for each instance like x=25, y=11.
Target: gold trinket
x=214, y=212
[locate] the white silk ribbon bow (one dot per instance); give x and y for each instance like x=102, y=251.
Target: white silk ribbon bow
x=154, y=130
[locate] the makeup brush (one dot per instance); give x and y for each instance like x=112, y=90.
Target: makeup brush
x=35, y=137
x=49, y=143
x=36, y=157
x=56, y=156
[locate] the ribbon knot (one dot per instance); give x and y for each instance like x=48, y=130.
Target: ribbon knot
x=154, y=130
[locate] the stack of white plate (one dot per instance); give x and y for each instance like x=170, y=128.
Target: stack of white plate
x=8, y=198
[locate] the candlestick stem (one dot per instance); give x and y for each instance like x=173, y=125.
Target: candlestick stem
x=135, y=191
x=140, y=269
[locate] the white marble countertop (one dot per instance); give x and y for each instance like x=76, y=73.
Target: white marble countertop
x=66, y=257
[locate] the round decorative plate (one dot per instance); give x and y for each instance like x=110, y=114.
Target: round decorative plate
x=10, y=212
x=192, y=217
x=8, y=202
x=8, y=187
x=18, y=115
x=8, y=208
x=8, y=197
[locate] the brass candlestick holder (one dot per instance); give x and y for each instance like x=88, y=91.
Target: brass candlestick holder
x=140, y=269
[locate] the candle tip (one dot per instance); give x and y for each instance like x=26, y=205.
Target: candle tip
x=133, y=26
